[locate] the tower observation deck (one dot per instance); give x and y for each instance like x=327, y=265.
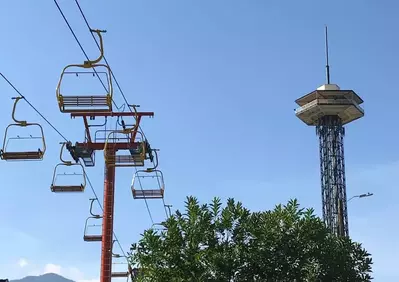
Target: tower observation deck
x=329, y=108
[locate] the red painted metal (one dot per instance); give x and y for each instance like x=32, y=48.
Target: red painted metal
x=108, y=221
x=117, y=146
x=109, y=181
x=88, y=136
x=85, y=115
x=134, y=134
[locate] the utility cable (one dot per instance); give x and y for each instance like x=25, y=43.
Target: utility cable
x=121, y=91
x=81, y=48
x=113, y=76
x=105, y=59
x=63, y=136
x=101, y=207
x=145, y=199
x=141, y=186
x=36, y=110
x=164, y=206
x=84, y=52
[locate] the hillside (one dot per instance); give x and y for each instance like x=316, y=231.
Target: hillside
x=50, y=277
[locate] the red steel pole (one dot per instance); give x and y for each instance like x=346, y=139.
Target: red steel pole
x=108, y=220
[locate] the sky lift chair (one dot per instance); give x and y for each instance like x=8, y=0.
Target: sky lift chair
x=87, y=103
x=87, y=237
x=67, y=188
x=134, y=155
x=140, y=192
x=22, y=155
x=137, y=188
x=121, y=274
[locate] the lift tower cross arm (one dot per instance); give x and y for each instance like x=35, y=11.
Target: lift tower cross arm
x=85, y=150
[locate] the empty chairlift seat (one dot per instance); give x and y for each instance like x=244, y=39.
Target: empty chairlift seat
x=120, y=274
x=148, y=184
x=92, y=231
x=89, y=235
x=68, y=176
x=93, y=226
x=13, y=141
x=94, y=103
x=120, y=266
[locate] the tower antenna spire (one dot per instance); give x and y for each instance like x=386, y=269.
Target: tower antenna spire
x=327, y=64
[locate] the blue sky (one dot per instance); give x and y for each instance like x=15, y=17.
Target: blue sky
x=222, y=77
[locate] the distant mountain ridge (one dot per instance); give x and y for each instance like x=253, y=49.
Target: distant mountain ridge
x=49, y=277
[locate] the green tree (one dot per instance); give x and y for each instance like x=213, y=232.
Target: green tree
x=215, y=243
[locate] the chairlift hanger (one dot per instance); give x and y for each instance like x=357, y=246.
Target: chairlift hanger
x=151, y=157
x=115, y=255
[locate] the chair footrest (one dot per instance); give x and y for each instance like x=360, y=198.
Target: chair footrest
x=125, y=160
x=85, y=100
x=148, y=194
x=34, y=155
x=70, y=104
x=120, y=274
x=92, y=238
x=71, y=188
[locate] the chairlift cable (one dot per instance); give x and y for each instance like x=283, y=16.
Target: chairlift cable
x=119, y=87
x=36, y=110
x=105, y=59
x=81, y=47
x=63, y=136
x=146, y=203
x=120, y=90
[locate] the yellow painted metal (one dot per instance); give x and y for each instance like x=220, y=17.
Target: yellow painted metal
x=76, y=103
x=22, y=155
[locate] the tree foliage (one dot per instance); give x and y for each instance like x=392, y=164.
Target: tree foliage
x=215, y=243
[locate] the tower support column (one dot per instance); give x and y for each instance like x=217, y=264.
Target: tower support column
x=332, y=167
x=108, y=220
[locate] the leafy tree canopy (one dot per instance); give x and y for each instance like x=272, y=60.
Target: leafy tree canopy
x=213, y=243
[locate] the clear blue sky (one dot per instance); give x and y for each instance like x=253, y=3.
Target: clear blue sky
x=221, y=77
